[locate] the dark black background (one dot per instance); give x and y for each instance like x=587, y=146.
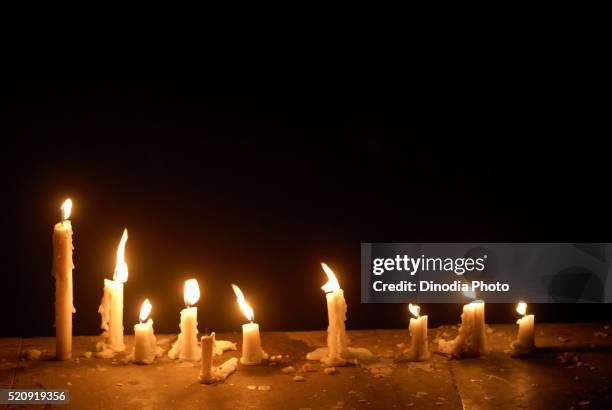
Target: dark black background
x=254, y=179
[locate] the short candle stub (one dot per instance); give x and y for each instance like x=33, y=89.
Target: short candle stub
x=418, y=350
x=210, y=374
x=524, y=345
x=471, y=340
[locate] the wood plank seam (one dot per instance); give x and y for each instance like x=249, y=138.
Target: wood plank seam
x=17, y=366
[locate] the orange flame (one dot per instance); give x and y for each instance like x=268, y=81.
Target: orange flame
x=332, y=284
x=246, y=309
x=121, y=268
x=145, y=310
x=414, y=309
x=521, y=308
x=66, y=209
x=192, y=292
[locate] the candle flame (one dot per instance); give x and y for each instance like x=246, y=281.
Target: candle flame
x=332, y=284
x=475, y=303
x=121, y=268
x=246, y=309
x=145, y=310
x=521, y=308
x=66, y=209
x=414, y=309
x=470, y=293
x=192, y=292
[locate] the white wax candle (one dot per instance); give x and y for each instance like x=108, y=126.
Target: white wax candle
x=252, y=353
x=206, y=369
x=186, y=346
x=111, y=311
x=111, y=307
x=418, y=350
x=524, y=344
x=145, y=343
x=208, y=373
x=471, y=341
x=337, y=353
x=62, y=272
x=189, y=333
x=336, y=330
x=526, y=334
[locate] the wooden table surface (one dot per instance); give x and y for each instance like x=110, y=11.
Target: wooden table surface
x=495, y=381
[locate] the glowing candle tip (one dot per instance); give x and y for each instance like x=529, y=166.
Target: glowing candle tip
x=521, y=308
x=66, y=209
x=145, y=310
x=121, y=268
x=414, y=309
x=332, y=284
x=192, y=292
x=246, y=309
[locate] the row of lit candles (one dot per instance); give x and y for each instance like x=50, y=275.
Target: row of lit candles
x=471, y=340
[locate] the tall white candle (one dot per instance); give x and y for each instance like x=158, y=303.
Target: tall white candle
x=524, y=345
x=111, y=306
x=336, y=314
x=337, y=353
x=62, y=272
x=418, y=350
x=145, y=343
x=252, y=353
x=471, y=341
x=186, y=346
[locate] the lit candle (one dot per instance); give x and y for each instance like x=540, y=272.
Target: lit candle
x=145, y=344
x=471, y=340
x=208, y=373
x=524, y=344
x=418, y=350
x=337, y=353
x=252, y=353
x=111, y=307
x=186, y=346
x=62, y=272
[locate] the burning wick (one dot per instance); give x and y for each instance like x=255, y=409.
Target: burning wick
x=332, y=284
x=145, y=311
x=521, y=308
x=524, y=345
x=414, y=309
x=192, y=292
x=418, y=350
x=66, y=209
